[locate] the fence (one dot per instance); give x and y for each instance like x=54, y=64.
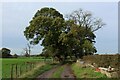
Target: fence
x=16, y=70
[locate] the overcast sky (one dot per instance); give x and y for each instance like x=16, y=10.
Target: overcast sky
x=16, y=16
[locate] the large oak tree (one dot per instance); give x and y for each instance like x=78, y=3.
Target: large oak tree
x=62, y=37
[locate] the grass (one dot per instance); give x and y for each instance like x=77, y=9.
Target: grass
x=30, y=74
x=7, y=62
x=58, y=72
x=36, y=72
x=87, y=72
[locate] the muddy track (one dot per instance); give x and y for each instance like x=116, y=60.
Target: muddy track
x=47, y=74
x=67, y=73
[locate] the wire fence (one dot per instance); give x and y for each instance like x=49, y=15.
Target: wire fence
x=16, y=70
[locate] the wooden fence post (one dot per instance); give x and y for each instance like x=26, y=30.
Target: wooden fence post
x=26, y=66
x=16, y=71
x=33, y=64
x=20, y=70
x=30, y=67
x=12, y=71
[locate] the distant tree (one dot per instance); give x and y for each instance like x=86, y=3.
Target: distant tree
x=27, y=51
x=0, y=53
x=15, y=56
x=5, y=52
x=26, y=54
x=42, y=55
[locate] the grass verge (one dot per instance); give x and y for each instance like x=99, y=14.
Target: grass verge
x=37, y=71
x=58, y=72
x=87, y=72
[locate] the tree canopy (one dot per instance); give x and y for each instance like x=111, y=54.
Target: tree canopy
x=62, y=37
x=5, y=53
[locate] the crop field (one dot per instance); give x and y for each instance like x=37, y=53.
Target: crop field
x=16, y=66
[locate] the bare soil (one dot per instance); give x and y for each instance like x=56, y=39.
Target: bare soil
x=67, y=72
x=47, y=74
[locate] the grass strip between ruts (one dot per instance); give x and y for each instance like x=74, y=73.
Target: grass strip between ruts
x=58, y=72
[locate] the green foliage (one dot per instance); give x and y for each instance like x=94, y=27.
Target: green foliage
x=5, y=53
x=88, y=47
x=63, y=37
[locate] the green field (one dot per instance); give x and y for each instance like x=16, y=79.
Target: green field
x=37, y=71
x=22, y=65
x=26, y=70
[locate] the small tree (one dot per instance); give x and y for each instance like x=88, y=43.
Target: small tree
x=26, y=52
